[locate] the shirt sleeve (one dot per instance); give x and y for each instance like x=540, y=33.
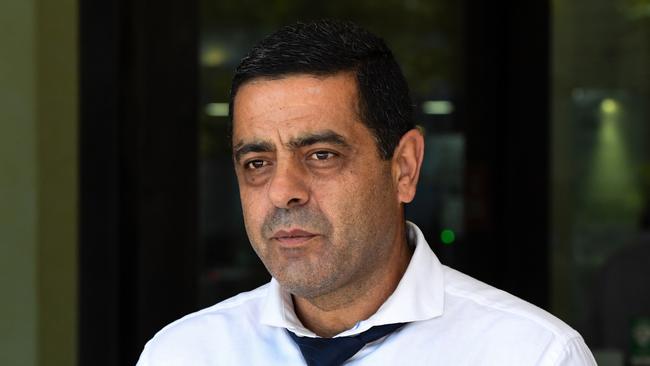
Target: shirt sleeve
x=576, y=353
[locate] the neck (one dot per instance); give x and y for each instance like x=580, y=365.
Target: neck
x=330, y=314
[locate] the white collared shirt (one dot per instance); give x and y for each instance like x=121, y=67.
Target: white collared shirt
x=453, y=320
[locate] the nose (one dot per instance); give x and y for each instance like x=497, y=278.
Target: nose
x=289, y=187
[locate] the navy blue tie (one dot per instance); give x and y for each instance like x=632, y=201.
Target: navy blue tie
x=335, y=351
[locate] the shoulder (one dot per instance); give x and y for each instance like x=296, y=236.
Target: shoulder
x=224, y=323
x=235, y=309
x=463, y=289
x=506, y=325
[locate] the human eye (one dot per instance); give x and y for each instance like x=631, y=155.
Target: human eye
x=323, y=159
x=322, y=155
x=255, y=164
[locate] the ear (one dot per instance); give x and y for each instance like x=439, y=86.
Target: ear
x=406, y=164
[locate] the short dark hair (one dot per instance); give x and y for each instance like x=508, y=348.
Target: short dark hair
x=326, y=47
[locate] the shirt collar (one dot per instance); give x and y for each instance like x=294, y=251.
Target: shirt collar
x=418, y=296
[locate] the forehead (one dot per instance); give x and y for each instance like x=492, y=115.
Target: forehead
x=286, y=107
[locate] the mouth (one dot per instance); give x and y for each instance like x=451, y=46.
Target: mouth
x=292, y=238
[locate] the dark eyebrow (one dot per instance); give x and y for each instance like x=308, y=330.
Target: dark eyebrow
x=256, y=146
x=326, y=136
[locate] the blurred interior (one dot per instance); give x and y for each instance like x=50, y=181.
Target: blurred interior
x=120, y=209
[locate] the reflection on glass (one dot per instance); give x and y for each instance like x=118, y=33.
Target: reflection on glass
x=601, y=185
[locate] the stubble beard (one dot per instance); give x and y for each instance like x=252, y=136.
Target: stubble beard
x=343, y=266
x=300, y=276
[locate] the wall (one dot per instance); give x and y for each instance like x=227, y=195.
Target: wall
x=18, y=189
x=38, y=182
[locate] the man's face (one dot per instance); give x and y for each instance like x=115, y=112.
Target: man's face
x=320, y=206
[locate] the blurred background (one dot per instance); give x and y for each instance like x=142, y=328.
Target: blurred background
x=119, y=209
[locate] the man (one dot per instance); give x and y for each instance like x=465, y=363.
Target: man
x=326, y=155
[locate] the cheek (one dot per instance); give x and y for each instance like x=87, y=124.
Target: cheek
x=368, y=196
x=251, y=210
x=351, y=197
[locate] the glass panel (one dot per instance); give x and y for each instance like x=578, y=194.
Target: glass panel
x=425, y=38
x=601, y=174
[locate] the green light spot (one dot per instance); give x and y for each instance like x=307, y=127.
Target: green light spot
x=609, y=106
x=437, y=107
x=447, y=236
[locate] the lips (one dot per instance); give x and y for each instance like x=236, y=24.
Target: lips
x=293, y=237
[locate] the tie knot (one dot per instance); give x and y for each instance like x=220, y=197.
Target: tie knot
x=335, y=351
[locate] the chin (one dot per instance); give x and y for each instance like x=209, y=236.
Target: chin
x=305, y=288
